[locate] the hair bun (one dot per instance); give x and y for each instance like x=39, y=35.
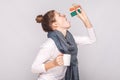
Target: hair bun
x=39, y=18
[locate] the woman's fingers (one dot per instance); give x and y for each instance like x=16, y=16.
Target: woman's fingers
x=59, y=59
x=80, y=14
x=76, y=6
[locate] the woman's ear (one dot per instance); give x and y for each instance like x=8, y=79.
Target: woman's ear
x=54, y=25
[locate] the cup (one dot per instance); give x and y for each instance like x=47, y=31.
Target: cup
x=66, y=59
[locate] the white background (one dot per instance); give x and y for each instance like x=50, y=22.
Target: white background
x=21, y=37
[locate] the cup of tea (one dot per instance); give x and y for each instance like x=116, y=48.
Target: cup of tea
x=66, y=59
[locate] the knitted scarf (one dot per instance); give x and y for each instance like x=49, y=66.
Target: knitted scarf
x=66, y=45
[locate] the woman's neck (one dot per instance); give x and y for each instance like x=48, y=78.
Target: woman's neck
x=63, y=31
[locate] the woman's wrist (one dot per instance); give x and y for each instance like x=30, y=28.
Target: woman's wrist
x=54, y=62
x=50, y=65
x=87, y=23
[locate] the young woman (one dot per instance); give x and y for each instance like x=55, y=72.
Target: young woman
x=49, y=61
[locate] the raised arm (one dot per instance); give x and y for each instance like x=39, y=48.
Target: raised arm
x=91, y=38
x=91, y=33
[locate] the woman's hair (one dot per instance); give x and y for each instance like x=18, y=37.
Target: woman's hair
x=46, y=20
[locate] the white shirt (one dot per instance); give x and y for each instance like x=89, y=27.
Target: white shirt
x=49, y=51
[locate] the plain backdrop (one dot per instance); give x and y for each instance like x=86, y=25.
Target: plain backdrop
x=21, y=37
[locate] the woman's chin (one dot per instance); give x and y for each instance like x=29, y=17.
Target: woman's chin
x=68, y=27
x=68, y=23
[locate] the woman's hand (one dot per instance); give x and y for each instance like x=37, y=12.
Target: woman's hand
x=82, y=15
x=59, y=60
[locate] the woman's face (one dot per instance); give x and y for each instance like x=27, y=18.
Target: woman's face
x=61, y=21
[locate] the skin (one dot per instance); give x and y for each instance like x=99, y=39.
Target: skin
x=62, y=25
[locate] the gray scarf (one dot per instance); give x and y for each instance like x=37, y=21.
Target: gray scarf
x=67, y=45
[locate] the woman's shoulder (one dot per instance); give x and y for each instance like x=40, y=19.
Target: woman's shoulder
x=48, y=43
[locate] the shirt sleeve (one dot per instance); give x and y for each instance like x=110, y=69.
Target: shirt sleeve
x=43, y=55
x=91, y=38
